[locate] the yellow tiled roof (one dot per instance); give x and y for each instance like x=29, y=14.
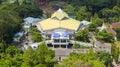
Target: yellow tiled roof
x=49, y=24
x=59, y=14
x=52, y=24
x=70, y=24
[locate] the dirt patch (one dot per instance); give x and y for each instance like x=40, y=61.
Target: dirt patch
x=51, y=6
x=47, y=8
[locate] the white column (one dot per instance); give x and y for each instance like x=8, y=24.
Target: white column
x=53, y=43
x=53, y=46
x=60, y=42
x=66, y=46
x=66, y=43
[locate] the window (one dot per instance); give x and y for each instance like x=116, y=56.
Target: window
x=56, y=41
x=63, y=41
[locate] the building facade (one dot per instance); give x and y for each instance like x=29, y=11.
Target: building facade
x=59, y=28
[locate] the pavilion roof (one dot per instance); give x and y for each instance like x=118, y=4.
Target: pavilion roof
x=52, y=24
x=59, y=20
x=59, y=14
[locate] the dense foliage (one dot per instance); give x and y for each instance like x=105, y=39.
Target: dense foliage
x=36, y=35
x=105, y=36
x=106, y=9
x=82, y=35
x=28, y=10
x=10, y=23
x=11, y=15
x=15, y=57
x=118, y=33
x=96, y=11
x=90, y=59
x=115, y=52
x=82, y=14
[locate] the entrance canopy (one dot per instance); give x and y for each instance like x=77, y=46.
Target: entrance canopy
x=56, y=35
x=60, y=35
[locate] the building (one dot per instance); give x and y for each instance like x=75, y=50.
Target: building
x=102, y=27
x=59, y=28
x=31, y=21
x=84, y=24
x=17, y=37
x=111, y=28
x=115, y=25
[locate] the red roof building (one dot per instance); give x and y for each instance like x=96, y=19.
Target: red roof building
x=115, y=25
x=111, y=31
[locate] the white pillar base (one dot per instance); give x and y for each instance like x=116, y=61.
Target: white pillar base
x=66, y=46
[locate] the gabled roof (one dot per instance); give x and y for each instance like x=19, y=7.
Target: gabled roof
x=59, y=14
x=111, y=31
x=51, y=24
x=59, y=20
x=85, y=22
x=31, y=19
x=115, y=25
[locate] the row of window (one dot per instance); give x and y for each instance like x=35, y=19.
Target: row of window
x=60, y=41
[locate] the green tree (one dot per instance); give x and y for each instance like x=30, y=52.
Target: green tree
x=96, y=5
x=69, y=9
x=97, y=20
x=82, y=14
x=2, y=47
x=5, y=63
x=36, y=35
x=2, y=1
x=118, y=3
x=110, y=15
x=12, y=51
x=92, y=27
x=118, y=33
x=105, y=36
x=46, y=56
x=10, y=23
x=115, y=52
x=37, y=58
x=106, y=58
x=29, y=58
x=28, y=10
x=82, y=60
x=82, y=35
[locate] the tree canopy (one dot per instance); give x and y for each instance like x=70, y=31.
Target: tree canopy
x=15, y=57
x=36, y=35
x=11, y=16
x=82, y=35
x=90, y=59
x=10, y=23
x=118, y=33
x=105, y=36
